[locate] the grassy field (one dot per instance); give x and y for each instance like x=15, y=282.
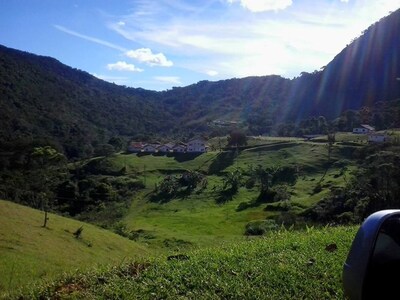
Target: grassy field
x=198, y=220
x=29, y=252
x=282, y=265
x=194, y=222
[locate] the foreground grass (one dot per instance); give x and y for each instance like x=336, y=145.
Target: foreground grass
x=282, y=265
x=29, y=252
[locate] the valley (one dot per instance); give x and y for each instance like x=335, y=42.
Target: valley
x=265, y=209
x=148, y=228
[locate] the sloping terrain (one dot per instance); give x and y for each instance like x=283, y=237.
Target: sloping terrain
x=202, y=217
x=282, y=265
x=42, y=98
x=362, y=74
x=29, y=252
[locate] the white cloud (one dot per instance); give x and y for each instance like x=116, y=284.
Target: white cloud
x=145, y=55
x=212, y=73
x=263, y=5
x=345, y=1
x=89, y=38
x=123, y=66
x=169, y=79
x=236, y=44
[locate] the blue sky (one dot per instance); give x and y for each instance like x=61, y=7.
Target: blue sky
x=160, y=44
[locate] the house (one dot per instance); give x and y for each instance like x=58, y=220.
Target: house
x=378, y=138
x=196, y=145
x=179, y=148
x=150, y=148
x=165, y=148
x=135, y=147
x=363, y=129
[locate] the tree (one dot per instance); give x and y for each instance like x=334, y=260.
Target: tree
x=117, y=143
x=232, y=181
x=322, y=124
x=47, y=171
x=331, y=142
x=231, y=184
x=264, y=177
x=104, y=150
x=237, y=138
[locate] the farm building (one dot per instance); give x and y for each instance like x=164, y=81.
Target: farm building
x=363, y=129
x=378, y=138
x=196, y=145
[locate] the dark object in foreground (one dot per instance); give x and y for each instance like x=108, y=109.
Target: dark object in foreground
x=373, y=263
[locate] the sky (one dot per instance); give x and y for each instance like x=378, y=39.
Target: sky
x=161, y=44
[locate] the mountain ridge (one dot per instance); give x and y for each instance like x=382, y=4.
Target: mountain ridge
x=43, y=98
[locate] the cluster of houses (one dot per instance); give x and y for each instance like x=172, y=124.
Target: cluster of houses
x=373, y=137
x=197, y=145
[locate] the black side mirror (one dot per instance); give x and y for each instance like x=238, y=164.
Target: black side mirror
x=372, y=267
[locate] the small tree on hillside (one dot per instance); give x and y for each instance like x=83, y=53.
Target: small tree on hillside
x=331, y=142
x=237, y=138
x=48, y=167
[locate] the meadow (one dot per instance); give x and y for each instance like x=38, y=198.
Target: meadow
x=224, y=262
x=30, y=253
x=199, y=220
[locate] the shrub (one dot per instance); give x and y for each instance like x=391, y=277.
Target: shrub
x=260, y=227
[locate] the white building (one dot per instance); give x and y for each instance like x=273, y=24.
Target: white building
x=179, y=148
x=196, y=145
x=150, y=148
x=135, y=147
x=165, y=148
x=363, y=129
x=378, y=138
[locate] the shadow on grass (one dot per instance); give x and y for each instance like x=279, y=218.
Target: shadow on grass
x=221, y=162
x=266, y=197
x=181, y=157
x=225, y=196
x=163, y=198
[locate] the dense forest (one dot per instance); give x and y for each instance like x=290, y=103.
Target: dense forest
x=44, y=100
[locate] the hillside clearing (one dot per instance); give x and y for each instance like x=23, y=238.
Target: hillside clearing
x=29, y=252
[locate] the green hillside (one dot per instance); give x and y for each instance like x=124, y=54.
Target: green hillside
x=199, y=218
x=42, y=99
x=199, y=222
x=29, y=252
x=282, y=265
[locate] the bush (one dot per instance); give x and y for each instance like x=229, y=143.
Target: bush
x=260, y=227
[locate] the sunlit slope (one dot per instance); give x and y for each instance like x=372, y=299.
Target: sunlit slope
x=282, y=265
x=29, y=252
x=200, y=219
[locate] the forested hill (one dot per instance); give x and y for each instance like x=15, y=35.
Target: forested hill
x=257, y=101
x=362, y=74
x=40, y=97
